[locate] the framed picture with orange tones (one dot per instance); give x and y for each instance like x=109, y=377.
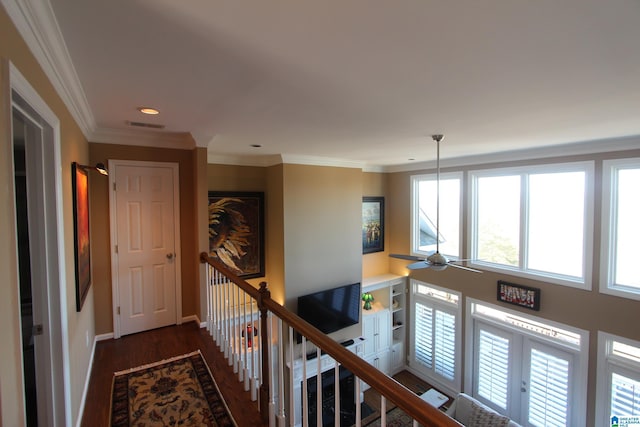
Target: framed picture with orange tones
x=82, y=238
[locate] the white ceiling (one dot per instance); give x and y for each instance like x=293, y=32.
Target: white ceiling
x=361, y=81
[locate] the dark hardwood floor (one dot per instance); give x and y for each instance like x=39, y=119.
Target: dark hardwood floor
x=151, y=346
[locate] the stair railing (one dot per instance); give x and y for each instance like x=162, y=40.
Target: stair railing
x=244, y=322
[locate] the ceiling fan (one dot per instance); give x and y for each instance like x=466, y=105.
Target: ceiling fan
x=436, y=261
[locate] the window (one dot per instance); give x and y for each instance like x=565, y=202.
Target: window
x=527, y=368
x=534, y=221
x=436, y=335
x=618, y=382
x=620, y=228
x=424, y=214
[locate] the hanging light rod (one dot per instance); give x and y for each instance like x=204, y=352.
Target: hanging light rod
x=99, y=167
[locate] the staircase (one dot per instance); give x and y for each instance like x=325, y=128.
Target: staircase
x=258, y=337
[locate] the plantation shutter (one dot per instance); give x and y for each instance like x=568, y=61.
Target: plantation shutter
x=548, y=390
x=493, y=367
x=445, y=344
x=625, y=396
x=424, y=335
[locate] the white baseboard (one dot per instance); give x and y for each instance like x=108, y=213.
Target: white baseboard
x=87, y=380
x=192, y=318
x=103, y=337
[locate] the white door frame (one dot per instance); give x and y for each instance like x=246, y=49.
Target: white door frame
x=52, y=276
x=115, y=290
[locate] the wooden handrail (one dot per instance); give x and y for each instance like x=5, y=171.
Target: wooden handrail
x=392, y=390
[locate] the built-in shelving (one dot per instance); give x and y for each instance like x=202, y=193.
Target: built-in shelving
x=386, y=322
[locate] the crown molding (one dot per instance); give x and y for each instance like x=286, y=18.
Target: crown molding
x=572, y=149
x=182, y=141
x=258, y=161
x=38, y=26
x=271, y=160
x=321, y=161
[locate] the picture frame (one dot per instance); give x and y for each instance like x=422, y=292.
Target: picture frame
x=236, y=231
x=81, y=232
x=523, y=296
x=372, y=224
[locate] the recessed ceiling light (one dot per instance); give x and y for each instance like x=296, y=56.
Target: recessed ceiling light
x=411, y=159
x=256, y=145
x=148, y=110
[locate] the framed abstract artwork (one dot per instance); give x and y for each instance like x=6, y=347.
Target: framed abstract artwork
x=236, y=231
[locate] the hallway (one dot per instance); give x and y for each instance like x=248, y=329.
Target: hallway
x=151, y=346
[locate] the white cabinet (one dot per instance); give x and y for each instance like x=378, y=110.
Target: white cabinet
x=377, y=335
x=375, y=329
x=384, y=326
x=396, y=361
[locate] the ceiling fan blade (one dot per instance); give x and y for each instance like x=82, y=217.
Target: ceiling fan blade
x=407, y=257
x=418, y=265
x=464, y=268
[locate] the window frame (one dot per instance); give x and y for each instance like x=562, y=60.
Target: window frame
x=578, y=403
x=607, y=365
x=608, y=234
x=451, y=386
x=415, y=215
x=588, y=167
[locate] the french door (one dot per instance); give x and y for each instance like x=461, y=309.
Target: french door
x=523, y=377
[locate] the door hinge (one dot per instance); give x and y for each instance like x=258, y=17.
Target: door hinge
x=116, y=248
x=114, y=186
x=37, y=330
x=118, y=310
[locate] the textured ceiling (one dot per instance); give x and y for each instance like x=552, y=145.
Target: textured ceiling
x=363, y=81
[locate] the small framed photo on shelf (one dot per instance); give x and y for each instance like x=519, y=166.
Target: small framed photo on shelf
x=524, y=296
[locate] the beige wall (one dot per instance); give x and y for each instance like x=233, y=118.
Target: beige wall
x=588, y=310
x=101, y=248
x=73, y=147
x=322, y=231
x=275, y=233
x=313, y=223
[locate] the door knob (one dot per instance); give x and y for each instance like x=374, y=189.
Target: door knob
x=169, y=256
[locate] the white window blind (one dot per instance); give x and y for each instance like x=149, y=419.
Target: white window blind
x=434, y=349
x=548, y=390
x=493, y=368
x=445, y=344
x=618, y=382
x=424, y=335
x=435, y=340
x=625, y=396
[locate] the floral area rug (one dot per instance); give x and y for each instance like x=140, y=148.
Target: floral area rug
x=178, y=391
x=395, y=418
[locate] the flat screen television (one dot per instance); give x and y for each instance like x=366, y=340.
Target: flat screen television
x=332, y=309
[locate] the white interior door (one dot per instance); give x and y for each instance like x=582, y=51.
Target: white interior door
x=145, y=218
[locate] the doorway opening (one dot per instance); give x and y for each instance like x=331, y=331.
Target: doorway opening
x=39, y=249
